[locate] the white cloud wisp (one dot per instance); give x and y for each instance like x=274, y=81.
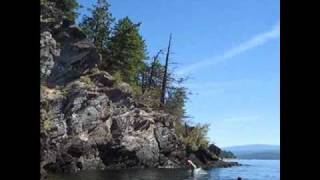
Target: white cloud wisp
x=253, y=42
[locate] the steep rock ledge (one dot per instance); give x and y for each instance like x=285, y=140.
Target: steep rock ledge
x=88, y=121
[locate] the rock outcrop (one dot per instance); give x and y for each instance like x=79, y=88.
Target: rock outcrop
x=88, y=121
x=85, y=127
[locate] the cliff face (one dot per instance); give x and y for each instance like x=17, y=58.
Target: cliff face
x=93, y=124
x=88, y=121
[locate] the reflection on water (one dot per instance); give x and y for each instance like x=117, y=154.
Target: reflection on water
x=132, y=174
x=251, y=170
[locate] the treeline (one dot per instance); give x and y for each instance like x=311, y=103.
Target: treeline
x=227, y=155
x=124, y=55
x=68, y=7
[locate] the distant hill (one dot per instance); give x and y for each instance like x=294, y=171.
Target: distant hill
x=255, y=151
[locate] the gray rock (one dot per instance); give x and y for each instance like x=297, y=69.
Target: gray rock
x=103, y=79
x=48, y=50
x=90, y=122
x=76, y=59
x=214, y=149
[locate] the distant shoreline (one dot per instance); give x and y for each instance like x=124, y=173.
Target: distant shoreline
x=249, y=159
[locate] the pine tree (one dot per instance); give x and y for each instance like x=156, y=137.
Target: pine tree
x=98, y=26
x=157, y=75
x=127, y=50
x=68, y=7
x=175, y=102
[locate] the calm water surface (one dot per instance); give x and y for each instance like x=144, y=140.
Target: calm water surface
x=251, y=170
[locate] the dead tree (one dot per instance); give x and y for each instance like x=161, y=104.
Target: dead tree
x=164, y=81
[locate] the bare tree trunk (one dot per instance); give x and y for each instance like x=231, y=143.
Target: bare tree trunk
x=164, y=81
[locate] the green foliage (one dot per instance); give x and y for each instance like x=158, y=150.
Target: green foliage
x=142, y=77
x=150, y=79
x=136, y=91
x=227, y=154
x=68, y=7
x=157, y=73
x=127, y=50
x=122, y=49
x=44, y=2
x=87, y=81
x=195, y=137
x=97, y=26
x=150, y=97
x=117, y=77
x=47, y=125
x=94, y=70
x=176, y=101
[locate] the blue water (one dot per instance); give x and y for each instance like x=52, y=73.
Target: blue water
x=250, y=170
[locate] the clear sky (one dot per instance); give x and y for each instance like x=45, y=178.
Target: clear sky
x=231, y=51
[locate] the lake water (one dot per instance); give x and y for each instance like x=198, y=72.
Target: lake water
x=251, y=170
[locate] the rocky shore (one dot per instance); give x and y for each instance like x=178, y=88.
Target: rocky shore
x=89, y=121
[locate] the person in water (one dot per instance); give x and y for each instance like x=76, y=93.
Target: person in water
x=193, y=166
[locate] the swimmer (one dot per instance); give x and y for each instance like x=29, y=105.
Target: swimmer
x=193, y=166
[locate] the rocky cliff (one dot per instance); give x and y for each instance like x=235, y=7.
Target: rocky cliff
x=88, y=120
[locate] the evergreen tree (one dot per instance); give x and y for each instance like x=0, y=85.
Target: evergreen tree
x=98, y=26
x=175, y=102
x=156, y=77
x=68, y=7
x=143, y=75
x=127, y=51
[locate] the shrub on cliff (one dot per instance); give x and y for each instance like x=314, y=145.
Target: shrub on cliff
x=195, y=137
x=117, y=77
x=150, y=97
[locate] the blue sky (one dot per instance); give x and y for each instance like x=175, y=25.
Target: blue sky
x=231, y=51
